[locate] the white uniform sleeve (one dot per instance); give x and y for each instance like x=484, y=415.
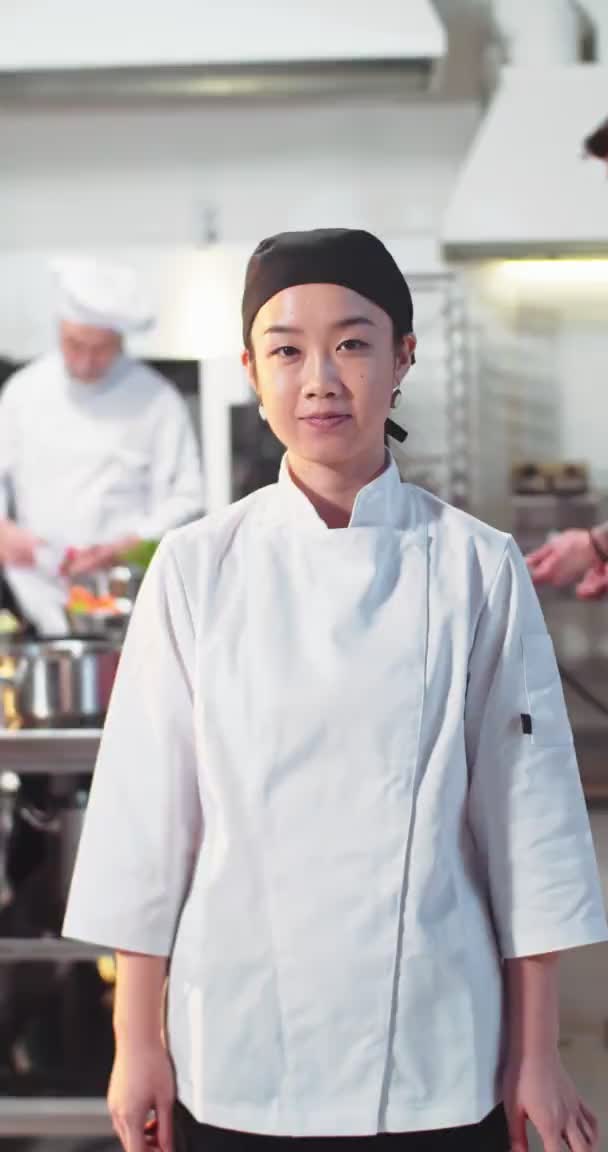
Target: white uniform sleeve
x=527, y=807
x=8, y=444
x=175, y=494
x=143, y=822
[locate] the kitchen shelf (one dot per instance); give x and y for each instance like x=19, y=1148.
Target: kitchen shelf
x=48, y=949
x=54, y=1117
x=62, y=752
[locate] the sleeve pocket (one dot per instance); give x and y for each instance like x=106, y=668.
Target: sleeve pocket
x=545, y=698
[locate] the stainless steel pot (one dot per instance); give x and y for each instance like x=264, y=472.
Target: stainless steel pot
x=103, y=625
x=122, y=581
x=58, y=683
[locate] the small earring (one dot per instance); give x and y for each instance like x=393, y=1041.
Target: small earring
x=395, y=398
x=262, y=412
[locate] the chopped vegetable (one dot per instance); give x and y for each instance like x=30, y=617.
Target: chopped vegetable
x=141, y=554
x=9, y=624
x=82, y=601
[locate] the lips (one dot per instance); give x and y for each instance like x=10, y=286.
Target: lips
x=326, y=420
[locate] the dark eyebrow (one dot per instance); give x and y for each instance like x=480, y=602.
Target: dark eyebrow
x=348, y=322
x=281, y=329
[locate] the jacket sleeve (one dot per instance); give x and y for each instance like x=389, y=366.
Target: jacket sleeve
x=8, y=444
x=175, y=493
x=143, y=821
x=527, y=808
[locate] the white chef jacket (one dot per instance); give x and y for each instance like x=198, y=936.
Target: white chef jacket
x=314, y=792
x=90, y=463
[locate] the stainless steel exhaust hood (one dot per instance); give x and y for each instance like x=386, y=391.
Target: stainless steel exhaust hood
x=196, y=49
x=219, y=82
x=529, y=187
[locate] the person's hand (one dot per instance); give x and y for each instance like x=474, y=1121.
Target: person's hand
x=540, y=1090
x=142, y=1081
x=79, y=561
x=17, y=545
x=594, y=584
x=564, y=560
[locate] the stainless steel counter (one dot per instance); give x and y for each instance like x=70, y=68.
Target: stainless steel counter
x=62, y=753
x=80, y=1117
x=53, y=751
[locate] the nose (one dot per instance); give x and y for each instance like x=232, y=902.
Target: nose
x=323, y=378
x=85, y=361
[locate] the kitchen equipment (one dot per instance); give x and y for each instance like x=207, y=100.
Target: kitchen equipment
x=492, y=216
x=545, y=477
x=9, y=624
x=123, y=581
x=571, y=479
x=120, y=583
x=535, y=518
x=62, y=683
x=110, y=625
x=70, y=817
x=9, y=788
x=530, y=479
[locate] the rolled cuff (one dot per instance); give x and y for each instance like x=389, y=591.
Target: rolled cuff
x=558, y=938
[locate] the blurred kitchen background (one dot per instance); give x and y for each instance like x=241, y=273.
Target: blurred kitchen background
x=173, y=138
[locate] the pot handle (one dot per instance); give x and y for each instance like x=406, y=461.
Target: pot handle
x=38, y=820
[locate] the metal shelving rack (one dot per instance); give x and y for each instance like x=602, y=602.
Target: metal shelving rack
x=59, y=753
x=459, y=378
x=437, y=397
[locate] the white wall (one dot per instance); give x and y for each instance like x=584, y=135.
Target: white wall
x=145, y=176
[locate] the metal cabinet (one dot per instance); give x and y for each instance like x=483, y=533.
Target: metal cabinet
x=61, y=754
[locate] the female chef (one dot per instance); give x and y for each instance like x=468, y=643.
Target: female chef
x=337, y=798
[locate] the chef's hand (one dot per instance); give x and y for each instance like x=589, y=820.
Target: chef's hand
x=540, y=1090
x=17, y=546
x=78, y=561
x=142, y=1080
x=594, y=584
x=564, y=560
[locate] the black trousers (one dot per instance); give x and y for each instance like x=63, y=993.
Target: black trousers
x=490, y=1136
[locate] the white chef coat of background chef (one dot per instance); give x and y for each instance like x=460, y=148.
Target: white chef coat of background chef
x=88, y=463
x=315, y=793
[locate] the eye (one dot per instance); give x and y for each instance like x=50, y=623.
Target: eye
x=285, y=352
x=353, y=345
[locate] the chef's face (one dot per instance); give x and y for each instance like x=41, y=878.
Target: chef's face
x=88, y=353
x=320, y=349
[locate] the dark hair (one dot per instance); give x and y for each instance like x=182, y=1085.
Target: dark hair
x=350, y=257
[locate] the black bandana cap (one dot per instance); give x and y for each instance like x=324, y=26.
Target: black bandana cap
x=349, y=257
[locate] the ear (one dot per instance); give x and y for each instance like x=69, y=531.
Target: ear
x=405, y=356
x=249, y=365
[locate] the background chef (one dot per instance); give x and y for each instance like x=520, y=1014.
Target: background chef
x=97, y=450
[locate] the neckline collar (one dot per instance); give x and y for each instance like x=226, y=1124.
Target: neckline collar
x=376, y=504
x=83, y=391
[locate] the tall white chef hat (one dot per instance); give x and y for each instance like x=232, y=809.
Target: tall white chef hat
x=101, y=295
